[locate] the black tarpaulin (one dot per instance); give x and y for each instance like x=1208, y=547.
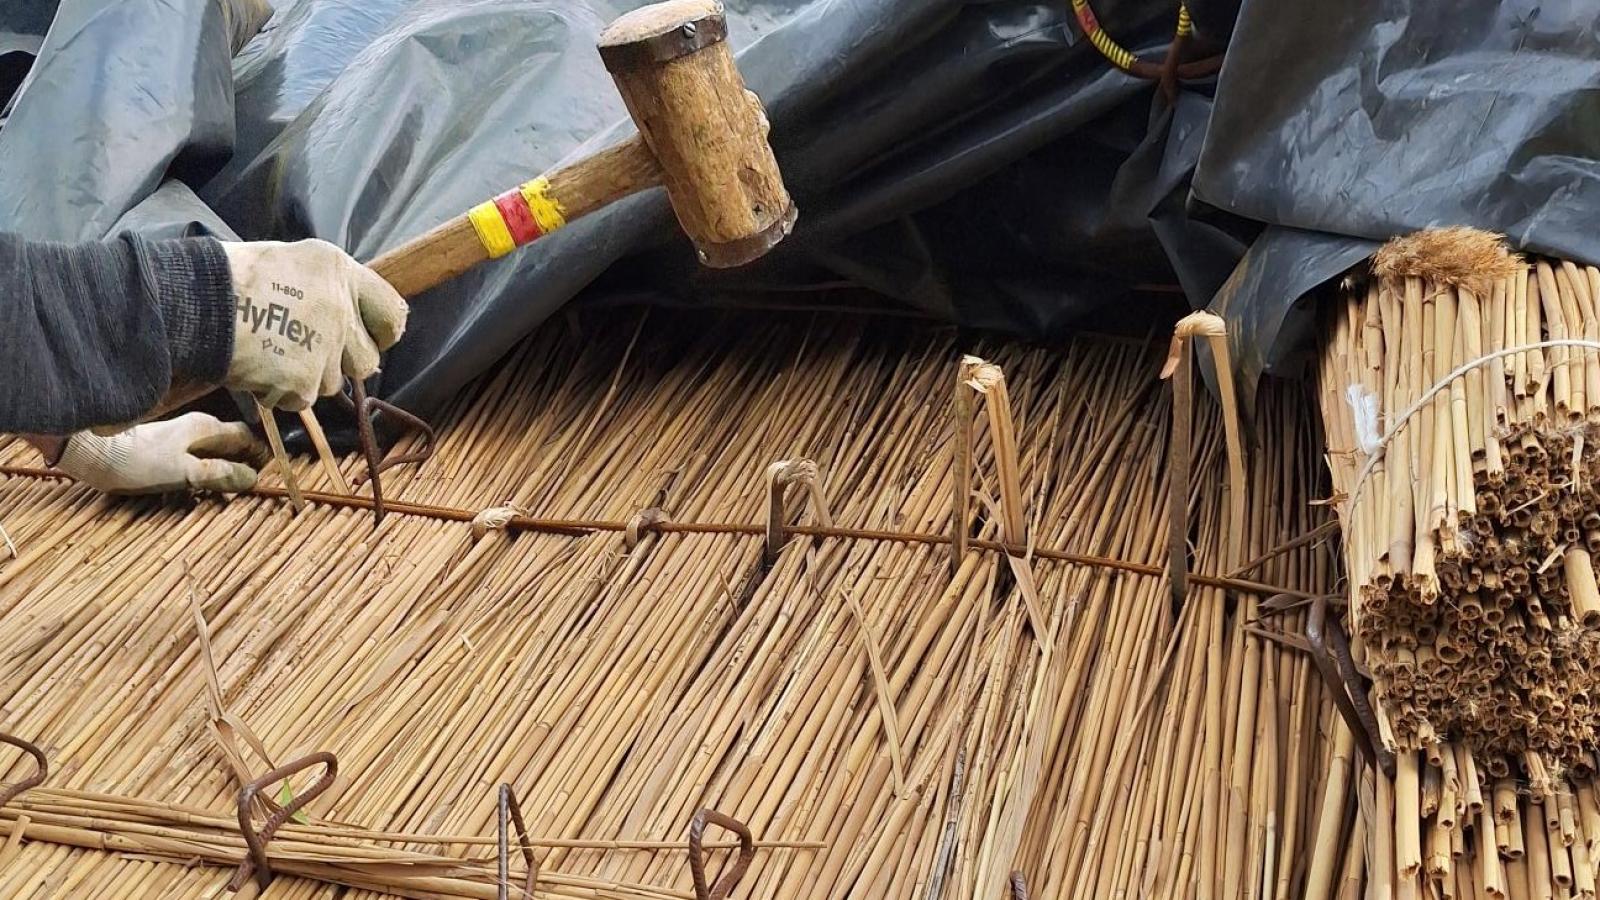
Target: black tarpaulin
x=975, y=161
x=1346, y=124
x=961, y=158
x=899, y=126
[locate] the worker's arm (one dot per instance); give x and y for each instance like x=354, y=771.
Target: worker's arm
x=99, y=334
x=95, y=334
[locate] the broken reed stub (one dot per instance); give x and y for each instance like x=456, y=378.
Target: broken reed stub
x=989, y=381
x=269, y=426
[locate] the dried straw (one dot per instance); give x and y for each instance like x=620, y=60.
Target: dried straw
x=888, y=725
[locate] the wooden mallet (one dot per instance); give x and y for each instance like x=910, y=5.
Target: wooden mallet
x=702, y=136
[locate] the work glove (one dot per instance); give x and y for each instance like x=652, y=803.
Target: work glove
x=306, y=315
x=191, y=452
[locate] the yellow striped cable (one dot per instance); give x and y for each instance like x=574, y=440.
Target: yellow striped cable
x=1103, y=42
x=1108, y=47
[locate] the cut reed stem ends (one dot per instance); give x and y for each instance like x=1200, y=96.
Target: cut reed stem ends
x=1458, y=402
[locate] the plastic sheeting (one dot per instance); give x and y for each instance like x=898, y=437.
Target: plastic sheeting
x=122, y=96
x=960, y=157
x=977, y=161
x=1345, y=124
x=899, y=125
x=22, y=28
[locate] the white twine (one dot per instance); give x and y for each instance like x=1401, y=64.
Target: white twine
x=10, y=547
x=1442, y=384
x=494, y=518
x=1364, y=407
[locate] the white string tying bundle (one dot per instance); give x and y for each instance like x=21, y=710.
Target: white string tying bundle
x=1364, y=410
x=1427, y=397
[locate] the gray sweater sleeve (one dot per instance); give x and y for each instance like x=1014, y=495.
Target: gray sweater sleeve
x=96, y=334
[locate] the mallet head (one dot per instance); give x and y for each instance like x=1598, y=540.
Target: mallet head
x=676, y=74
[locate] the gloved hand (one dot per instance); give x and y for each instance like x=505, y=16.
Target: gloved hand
x=308, y=315
x=192, y=452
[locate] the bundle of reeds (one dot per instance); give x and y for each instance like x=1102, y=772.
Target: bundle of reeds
x=622, y=650
x=1460, y=387
x=338, y=855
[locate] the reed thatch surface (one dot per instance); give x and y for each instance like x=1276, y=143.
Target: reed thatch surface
x=621, y=689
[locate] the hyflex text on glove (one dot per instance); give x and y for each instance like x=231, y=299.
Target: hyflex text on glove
x=306, y=314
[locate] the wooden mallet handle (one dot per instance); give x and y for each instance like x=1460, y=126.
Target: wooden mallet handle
x=557, y=198
x=701, y=134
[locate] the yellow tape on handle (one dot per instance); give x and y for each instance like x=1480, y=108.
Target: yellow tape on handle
x=533, y=214
x=546, y=211
x=491, y=229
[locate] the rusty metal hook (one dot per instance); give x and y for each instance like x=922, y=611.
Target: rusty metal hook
x=8, y=794
x=1330, y=650
x=511, y=813
x=256, y=862
x=365, y=407
x=697, y=863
